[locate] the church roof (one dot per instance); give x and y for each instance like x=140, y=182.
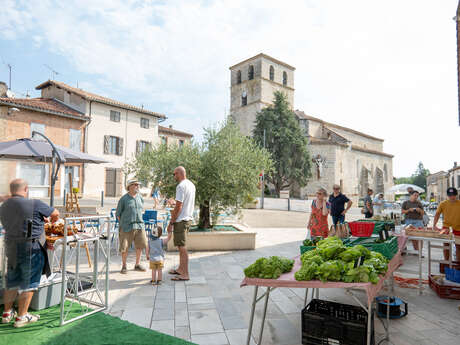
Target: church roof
x=301, y=115
x=264, y=56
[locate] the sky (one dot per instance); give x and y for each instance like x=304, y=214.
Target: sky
x=386, y=68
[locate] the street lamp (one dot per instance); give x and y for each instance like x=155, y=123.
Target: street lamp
x=56, y=159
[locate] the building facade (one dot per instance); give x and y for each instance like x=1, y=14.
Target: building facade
x=436, y=186
x=116, y=132
x=340, y=155
x=173, y=137
x=63, y=125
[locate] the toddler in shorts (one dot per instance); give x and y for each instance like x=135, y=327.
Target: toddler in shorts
x=156, y=254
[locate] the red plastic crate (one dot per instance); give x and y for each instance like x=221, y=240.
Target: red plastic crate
x=361, y=229
x=444, y=291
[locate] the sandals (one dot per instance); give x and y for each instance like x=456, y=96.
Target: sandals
x=173, y=271
x=180, y=278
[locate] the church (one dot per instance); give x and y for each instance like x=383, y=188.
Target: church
x=340, y=155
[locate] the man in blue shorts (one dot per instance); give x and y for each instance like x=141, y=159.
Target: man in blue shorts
x=23, y=220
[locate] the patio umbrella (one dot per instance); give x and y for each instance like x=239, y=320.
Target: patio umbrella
x=44, y=151
x=402, y=188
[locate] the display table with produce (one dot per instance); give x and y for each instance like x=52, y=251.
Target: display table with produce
x=431, y=236
x=299, y=270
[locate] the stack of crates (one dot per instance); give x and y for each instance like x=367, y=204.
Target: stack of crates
x=331, y=323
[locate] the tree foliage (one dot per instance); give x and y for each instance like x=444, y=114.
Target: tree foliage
x=418, y=178
x=224, y=168
x=286, y=142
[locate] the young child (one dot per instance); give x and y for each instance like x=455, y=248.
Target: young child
x=156, y=254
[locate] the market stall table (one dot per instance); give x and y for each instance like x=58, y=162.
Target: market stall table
x=288, y=280
x=420, y=240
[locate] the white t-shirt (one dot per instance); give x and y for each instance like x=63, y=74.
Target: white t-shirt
x=185, y=193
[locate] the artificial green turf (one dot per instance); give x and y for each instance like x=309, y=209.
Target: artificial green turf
x=96, y=329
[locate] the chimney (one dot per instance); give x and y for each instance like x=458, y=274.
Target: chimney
x=3, y=89
x=170, y=126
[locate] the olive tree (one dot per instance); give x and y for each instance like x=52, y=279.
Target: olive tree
x=225, y=169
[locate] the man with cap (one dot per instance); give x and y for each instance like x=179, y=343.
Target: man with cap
x=450, y=210
x=132, y=229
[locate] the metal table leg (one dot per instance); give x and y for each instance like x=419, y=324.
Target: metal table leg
x=392, y=282
x=267, y=294
x=369, y=319
x=429, y=258
x=420, y=266
x=251, y=319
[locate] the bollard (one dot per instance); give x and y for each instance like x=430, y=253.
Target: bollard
x=289, y=204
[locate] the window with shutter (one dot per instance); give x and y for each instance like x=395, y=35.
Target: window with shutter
x=120, y=147
x=106, y=144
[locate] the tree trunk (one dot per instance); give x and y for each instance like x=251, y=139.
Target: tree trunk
x=205, y=222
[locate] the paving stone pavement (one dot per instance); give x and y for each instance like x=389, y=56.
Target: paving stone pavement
x=212, y=308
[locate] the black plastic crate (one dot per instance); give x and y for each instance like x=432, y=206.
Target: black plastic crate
x=330, y=323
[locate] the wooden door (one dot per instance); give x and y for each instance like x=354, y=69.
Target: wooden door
x=110, y=182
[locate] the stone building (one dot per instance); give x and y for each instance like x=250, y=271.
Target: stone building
x=436, y=186
x=171, y=136
x=341, y=155
x=116, y=132
x=65, y=126
x=437, y=183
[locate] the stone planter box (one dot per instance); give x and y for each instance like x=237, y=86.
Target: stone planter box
x=219, y=240
x=250, y=205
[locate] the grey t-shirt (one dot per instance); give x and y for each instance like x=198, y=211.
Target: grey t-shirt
x=368, y=199
x=406, y=205
x=156, y=251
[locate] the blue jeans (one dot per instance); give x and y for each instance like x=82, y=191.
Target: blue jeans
x=28, y=271
x=418, y=223
x=338, y=219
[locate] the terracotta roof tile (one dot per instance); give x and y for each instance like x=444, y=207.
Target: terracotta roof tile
x=48, y=105
x=167, y=130
x=93, y=97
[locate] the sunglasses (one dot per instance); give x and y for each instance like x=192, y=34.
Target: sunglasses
x=336, y=188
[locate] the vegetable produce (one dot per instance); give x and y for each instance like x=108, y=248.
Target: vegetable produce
x=307, y=272
x=268, y=268
x=330, y=270
x=330, y=247
x=351, y=254
x=332, y=261
x=308, y=243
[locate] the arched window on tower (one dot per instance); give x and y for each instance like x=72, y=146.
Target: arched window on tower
x=251, y=72
x=244, y=99
x=284, y=78
x=272, y=73
x=238, y=77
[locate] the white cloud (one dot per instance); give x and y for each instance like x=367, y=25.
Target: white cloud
x=385, y=68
